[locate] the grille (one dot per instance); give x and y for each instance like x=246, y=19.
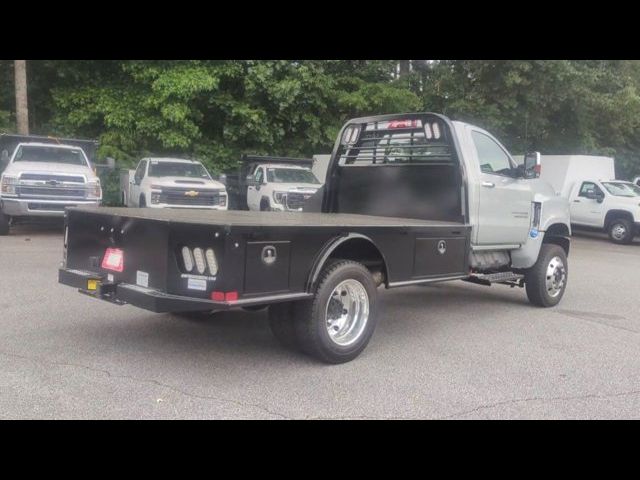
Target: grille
x=61, y=192
x=48, y=207
x=175, y=196
x=296, y=201
x=46, y=177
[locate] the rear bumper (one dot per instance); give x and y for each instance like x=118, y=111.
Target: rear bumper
x=154, y=300
x=20, y=207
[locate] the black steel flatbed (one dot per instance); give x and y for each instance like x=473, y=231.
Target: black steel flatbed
x=263, y=219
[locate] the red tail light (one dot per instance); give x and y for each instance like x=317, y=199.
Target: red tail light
x=217, y=296
x=224, y=297
x=538, y=169
x=113, y=260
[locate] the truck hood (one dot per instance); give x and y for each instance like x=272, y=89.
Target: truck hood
x=288, y=187
x=187, y=182
x=17, y=168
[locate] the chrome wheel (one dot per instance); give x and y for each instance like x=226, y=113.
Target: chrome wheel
x=556, y=277
x=347, y=312
x=619, y=231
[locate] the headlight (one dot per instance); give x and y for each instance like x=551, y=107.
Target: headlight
x=94, y=190
x=155, y=197
x=8, y=185
x=212, y=262
x=279, y=197
x=222, y=200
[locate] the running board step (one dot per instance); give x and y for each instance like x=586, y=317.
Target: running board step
x=501, y=277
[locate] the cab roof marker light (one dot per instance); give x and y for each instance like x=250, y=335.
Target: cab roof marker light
x=198, y=255
x=187, y=259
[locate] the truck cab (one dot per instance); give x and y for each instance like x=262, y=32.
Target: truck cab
x=609, y=205
x=42, y=178
x=280, y=187
x=172, y=183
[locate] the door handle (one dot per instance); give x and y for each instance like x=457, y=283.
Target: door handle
x=576, y=201
x=488, y=184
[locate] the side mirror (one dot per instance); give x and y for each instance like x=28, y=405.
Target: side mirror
x=594, y=195
x=532, y=165
x=222, y=178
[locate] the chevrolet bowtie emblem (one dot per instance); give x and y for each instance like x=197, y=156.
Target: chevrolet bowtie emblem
x=191, y=193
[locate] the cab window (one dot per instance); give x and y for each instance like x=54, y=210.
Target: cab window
x=259, y=175
x=493, y=159
x=140, y=171
x=587, y=188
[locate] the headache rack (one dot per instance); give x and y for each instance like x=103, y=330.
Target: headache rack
x=390, y=142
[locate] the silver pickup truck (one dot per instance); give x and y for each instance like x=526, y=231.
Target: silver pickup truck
x=42, y=176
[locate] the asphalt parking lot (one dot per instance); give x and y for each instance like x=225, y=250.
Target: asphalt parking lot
x=454, y=350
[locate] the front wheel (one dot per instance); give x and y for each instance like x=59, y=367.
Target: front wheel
x=546, y=281
x=338, y=323
x=621, y=231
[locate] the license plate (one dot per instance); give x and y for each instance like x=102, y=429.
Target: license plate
x=92, y=285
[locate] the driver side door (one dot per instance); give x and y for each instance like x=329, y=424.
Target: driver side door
x=253, y=191
x=585, y=210
x=504, y=201
x=136, y=181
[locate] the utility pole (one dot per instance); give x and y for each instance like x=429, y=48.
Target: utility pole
x=22, y=109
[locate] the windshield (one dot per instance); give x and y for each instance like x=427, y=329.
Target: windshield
x=32, y=153
x=177, y=169
x=290, y=175
x=620, y=189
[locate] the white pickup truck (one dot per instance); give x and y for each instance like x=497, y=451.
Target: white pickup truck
x=41, y=178
x=280, y=187
x=596, y=199
x=172, y=183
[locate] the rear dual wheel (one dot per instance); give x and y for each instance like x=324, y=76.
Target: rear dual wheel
x=337, y=324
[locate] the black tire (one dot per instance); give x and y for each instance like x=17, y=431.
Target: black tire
x=143, y=202
x=265, y=205
x=311, y=315
x=281, y=322
x=536, y=277
x=621, y=231
x=4, y=224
